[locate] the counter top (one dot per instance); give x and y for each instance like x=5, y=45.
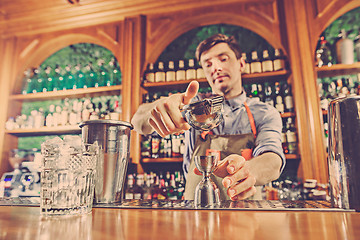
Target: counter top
x=23, y=222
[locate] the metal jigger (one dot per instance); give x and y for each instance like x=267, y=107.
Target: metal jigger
x=206, y=192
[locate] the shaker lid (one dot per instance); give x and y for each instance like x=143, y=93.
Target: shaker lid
x=106, y=121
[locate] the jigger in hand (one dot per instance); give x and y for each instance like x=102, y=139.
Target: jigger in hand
x=206, y=192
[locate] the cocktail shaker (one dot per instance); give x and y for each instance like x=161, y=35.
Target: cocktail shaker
x=113, y=138
x=344, y=152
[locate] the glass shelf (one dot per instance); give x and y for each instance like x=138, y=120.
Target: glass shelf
x=72, y=93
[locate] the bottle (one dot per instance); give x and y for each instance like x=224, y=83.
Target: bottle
x=357, y=46
x=58, y=79
x=147, y=186
x=199, y=71
x=279, y=60
x=116, y=111
x=279, y=103
x=129, y=191
x=79, y=77
x=323, y=53
x=170, y=72
x=247, y=64
x=255, y=64
x=291, y=136
x=49, y=120
x=42, y=80
x=149, y=75
x=180, y=184
x=34, y=81
x=261, y=94
x=180, y=71
x=175, y=143
x=64, y=114
x=48, y=80
x=171, y=191
x=69, y=78
x=344, y=49
x=269, y=96
x=90, y=76
x=191, y=71
x=254, y=92
x=284, y=141
x=288, y=99
x=146, y=146
x=27, y=82
x=267, y=63
x=85, y=113
x=160, y=73
x=39, y=119
x=138, y=188
x=155, y=145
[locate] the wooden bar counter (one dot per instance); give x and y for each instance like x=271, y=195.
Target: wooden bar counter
x=20, y=222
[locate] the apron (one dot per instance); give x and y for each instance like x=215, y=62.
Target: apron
x=227, y=145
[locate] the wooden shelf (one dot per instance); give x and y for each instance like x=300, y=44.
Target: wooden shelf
x=287, y=114
x=76, y=93
x=162, y=160
x=44, y=131
x=180, y=159
x=247, y=78
x=338, y=69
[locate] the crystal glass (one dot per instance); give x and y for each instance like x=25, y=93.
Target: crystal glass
x=67, y=177
x=206, y=192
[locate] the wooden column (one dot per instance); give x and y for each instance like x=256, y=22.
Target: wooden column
x=311, y=137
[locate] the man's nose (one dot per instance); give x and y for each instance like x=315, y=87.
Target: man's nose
x=216, y=67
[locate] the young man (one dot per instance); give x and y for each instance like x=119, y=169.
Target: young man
x=248, y=138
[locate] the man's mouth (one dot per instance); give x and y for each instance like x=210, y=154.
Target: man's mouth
x=220, y=79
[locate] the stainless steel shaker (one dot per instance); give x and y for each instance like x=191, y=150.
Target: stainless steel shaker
x=113, y=138
x=344, y=152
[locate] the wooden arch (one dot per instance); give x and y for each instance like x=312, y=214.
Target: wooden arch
x=162, y=30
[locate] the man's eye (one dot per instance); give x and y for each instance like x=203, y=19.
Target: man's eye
x=224, y=59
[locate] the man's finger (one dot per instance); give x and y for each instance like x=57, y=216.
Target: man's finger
x=190, y=92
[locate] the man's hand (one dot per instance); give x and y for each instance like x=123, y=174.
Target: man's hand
x=237, y=177
x=166, y=115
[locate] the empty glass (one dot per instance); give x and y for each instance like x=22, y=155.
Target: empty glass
x=206, y=192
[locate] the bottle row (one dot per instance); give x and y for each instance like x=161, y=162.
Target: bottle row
x=277, y=94
x=191, y=69
x=67, y=113
x=155, y=146
x=155, y=186
x=334, y=87
x=71, y=77
x=344, y=49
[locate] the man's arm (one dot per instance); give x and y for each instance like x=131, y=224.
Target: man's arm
x=164, y=115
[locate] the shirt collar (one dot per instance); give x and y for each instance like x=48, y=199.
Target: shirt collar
x=237, y=101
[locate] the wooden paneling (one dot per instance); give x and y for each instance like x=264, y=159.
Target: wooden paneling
x=260, y=17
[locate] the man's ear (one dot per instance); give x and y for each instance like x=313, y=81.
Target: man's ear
x=242, y=64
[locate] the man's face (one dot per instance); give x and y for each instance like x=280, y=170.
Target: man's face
x=222, y=70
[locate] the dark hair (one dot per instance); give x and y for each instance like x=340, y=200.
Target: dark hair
x=215, y=39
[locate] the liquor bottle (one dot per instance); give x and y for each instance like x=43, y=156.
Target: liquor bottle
x=146, y=146
x=269, y=96
x=129, y=191
x=113, y=73
x=69, y=78
x=323, y=53
x=357, y=46
x=291, y=136
x=42, y=80
x=344, y=48
x=170, y=72
x=58, y=79
x=90, y=76
x=279, y=103
x=117, y=73
x=167, y=147
x=39, y=118
x=27, y=82
x=103, y=76
x=191, y=71
x=171, y=191
x=49, y=120
x=182, y=143
x=247, y=64
x=255, y=64
x=284, y=140
x=64, y=114
x=176, y=143
x=267, y=63
x=155, y=145
x=147, y=186
x=149, y=75
x=160, y=73
x=85, y=113
x=73, y=113
x=79, y=77
x=288, y=98
x=199, y=71
x=180, y=184
x=49, y=81
x=261, y=94
x=180, y=71
x=279, y=60
x=57, y=115
x=162, y=194
x=34, y=81
x=116, y=111
x=138, y=188
x=254, y=92
x=155, y=188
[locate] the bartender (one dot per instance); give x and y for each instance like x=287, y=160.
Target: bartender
x=249, y=137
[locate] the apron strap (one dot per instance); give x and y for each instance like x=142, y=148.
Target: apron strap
x=251, y=119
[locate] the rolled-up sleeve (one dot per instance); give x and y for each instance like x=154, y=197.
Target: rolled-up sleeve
x=269, y=127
